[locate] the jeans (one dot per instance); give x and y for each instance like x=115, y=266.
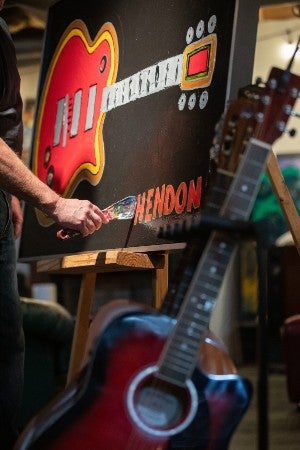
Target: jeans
x=11, y=332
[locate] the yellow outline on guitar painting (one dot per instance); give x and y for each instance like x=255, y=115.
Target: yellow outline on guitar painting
x=87, y=170
x=204, y=80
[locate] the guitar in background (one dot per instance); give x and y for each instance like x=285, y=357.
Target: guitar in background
x=141, y=386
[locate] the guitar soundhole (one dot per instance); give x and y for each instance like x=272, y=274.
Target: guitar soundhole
x=159, y=407
x=160, y=404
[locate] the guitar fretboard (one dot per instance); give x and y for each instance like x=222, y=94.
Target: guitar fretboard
x=148, y=81
x=180, y=354
x=184, y=273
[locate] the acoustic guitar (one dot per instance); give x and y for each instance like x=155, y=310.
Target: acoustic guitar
x=141, y=385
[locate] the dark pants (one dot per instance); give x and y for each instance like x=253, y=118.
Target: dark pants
x=11, y=332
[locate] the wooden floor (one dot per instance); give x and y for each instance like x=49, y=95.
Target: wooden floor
x=283, y=417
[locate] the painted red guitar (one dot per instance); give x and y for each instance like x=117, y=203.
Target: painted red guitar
x=80, y=88
x=142, y=385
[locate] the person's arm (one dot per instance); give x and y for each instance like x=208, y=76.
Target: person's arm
x=18, y=180
x=17, y=216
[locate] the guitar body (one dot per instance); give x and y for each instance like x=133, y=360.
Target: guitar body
x=144, y=383
x=121, y=405
x=69, y=145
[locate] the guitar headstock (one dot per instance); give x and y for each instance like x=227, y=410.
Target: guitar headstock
x=276, y=104
x=235, y=129
x=260, y=112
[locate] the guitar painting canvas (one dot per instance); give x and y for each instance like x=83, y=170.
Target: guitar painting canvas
x=129, y=96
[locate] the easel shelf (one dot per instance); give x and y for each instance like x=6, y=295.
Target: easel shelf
x=102, y=261
x=89, y=265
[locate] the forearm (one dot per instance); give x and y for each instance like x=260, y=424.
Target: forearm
x=18, y=180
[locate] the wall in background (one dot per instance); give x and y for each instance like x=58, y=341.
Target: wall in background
x=276, y=41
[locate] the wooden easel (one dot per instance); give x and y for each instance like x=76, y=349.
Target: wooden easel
x=289, y=210
x=284, y=197
x=92, y=263
x=89, y=265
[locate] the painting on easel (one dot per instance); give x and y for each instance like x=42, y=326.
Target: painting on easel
x=130, y=93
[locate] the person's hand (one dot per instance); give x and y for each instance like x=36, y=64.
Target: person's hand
x=17, y=216
x=80, y=215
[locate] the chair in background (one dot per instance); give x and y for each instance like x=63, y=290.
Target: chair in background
x=291, y=353
x=48, y=329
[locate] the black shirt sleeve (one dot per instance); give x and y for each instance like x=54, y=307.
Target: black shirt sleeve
x=11, y=126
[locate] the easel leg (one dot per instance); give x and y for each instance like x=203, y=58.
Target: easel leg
x=262, y=382
x=160, y=282
x=87, y=289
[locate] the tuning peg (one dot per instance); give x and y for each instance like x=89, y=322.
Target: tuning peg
x=214, y=151
x=292, y=132
x=287, y=109
x=259, y=81
x=281, y=126
x=294, y=114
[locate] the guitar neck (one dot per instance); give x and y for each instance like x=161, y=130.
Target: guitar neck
x=243, y=191
x=148, y=81
x=179, y=357
x=191, y=70
x=188, y=262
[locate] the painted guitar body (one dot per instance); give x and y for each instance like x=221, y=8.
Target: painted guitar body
x=80, y=88
x=114, y=412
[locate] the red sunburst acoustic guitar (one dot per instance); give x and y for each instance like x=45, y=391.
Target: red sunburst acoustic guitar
x=142, y=385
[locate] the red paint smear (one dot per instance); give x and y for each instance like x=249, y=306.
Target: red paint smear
x=198, y=62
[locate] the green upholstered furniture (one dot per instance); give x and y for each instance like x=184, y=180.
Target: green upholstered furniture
x=48, y=329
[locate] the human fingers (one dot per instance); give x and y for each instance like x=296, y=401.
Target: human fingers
x=17, y=229
x=94, y=220
x=67, y=233
x=103, y=215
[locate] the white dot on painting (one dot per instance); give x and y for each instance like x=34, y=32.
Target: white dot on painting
x=200, y=29
x=203, y=99
x=192, y=102
x=212, y=23
x=182, y=102
x=189, y=35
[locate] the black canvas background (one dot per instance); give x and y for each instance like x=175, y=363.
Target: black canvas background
x=148, y=142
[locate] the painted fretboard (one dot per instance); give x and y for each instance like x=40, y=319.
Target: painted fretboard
x=179, y=357
x=148, y=81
